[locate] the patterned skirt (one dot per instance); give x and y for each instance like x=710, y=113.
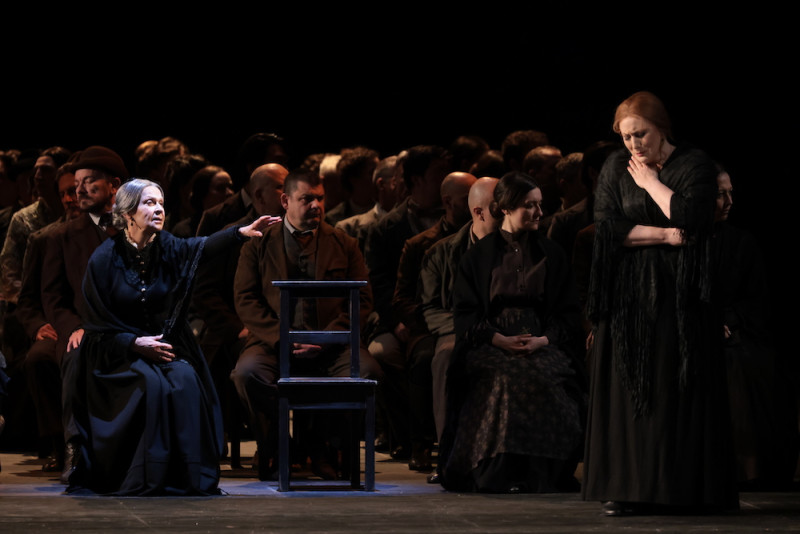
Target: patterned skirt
x=520, y=423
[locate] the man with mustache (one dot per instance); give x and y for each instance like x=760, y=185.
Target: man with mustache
x=303, y=246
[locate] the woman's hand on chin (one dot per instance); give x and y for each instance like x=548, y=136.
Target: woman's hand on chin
x=644, y=175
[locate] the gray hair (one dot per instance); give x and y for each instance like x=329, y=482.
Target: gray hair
x=127, y=199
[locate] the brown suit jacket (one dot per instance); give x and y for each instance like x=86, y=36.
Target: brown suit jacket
x=263, y=260
x=65, y=261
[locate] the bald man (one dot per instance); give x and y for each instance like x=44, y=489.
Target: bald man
x=437, y=274
x=454, y=192
x=266, y=187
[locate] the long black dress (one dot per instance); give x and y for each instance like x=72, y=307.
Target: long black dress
x=147, y=428
x=658, y=430
x=514, y=421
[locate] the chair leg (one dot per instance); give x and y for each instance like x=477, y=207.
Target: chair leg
x=236, y=449
x=284, y=460
x=353, y=449
x=369, y=444
x=234, y=428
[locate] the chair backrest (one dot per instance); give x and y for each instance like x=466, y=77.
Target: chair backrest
x=292, y=289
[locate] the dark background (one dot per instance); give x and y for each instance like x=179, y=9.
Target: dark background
x=326, y=78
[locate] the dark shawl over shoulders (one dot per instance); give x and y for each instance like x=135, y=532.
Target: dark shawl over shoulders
x=471, y=295
x=626, y=283
x=179, y=257
x=115, y=377
x=561, y=318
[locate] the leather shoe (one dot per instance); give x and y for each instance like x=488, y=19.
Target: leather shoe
x=421, y=461
x=382, y=443
x=52, y=465
x=401, y=452
x=616, y=509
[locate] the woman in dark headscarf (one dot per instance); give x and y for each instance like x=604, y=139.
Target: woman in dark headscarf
x=151, y=420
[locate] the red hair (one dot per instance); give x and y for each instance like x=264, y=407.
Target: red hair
x=648, y=106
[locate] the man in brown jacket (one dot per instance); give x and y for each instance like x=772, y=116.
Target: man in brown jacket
x=302, y=247
x=99, y=171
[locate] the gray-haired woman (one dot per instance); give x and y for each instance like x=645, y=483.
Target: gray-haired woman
x=150, y=415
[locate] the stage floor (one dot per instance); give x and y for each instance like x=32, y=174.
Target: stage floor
x=32, y=501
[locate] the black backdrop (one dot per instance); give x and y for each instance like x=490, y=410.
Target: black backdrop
x=326, y=78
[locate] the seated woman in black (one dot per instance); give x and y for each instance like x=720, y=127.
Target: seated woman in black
x=151, y=421
x=517, y=384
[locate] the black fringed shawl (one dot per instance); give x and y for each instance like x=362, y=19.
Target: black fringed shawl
x=627, y=283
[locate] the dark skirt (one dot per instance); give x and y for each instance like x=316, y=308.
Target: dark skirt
x=519, y=425
x=156, y=433
x=677, y=453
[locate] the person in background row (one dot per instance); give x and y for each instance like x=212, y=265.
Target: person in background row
x=210, y=186
x=355, y=170
x=43, y=358
x=757, y=389
x=256, y=150
x=383, y=180
x=423, y=168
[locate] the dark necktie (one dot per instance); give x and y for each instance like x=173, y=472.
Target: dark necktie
x=303, y=238
x=105, y=224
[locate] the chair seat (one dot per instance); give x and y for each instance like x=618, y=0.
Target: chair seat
x=334, y=381
x=331, y=393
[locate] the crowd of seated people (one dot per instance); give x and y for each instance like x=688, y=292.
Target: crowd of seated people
x=402, y=220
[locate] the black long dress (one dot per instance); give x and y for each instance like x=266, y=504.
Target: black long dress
x=658, y=430
x=148, y=429
x=514, y=421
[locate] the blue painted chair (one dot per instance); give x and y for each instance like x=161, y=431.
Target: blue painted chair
x=351, y=393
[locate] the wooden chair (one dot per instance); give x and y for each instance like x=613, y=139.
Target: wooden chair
x=351, y=393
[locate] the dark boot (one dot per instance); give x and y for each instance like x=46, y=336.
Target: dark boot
x=72, y=455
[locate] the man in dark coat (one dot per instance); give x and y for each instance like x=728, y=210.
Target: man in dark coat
x=436, y=278
x=42, y=362
x=223, y=333
x=420, y=346
x=98, y=173
x=423, y=169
